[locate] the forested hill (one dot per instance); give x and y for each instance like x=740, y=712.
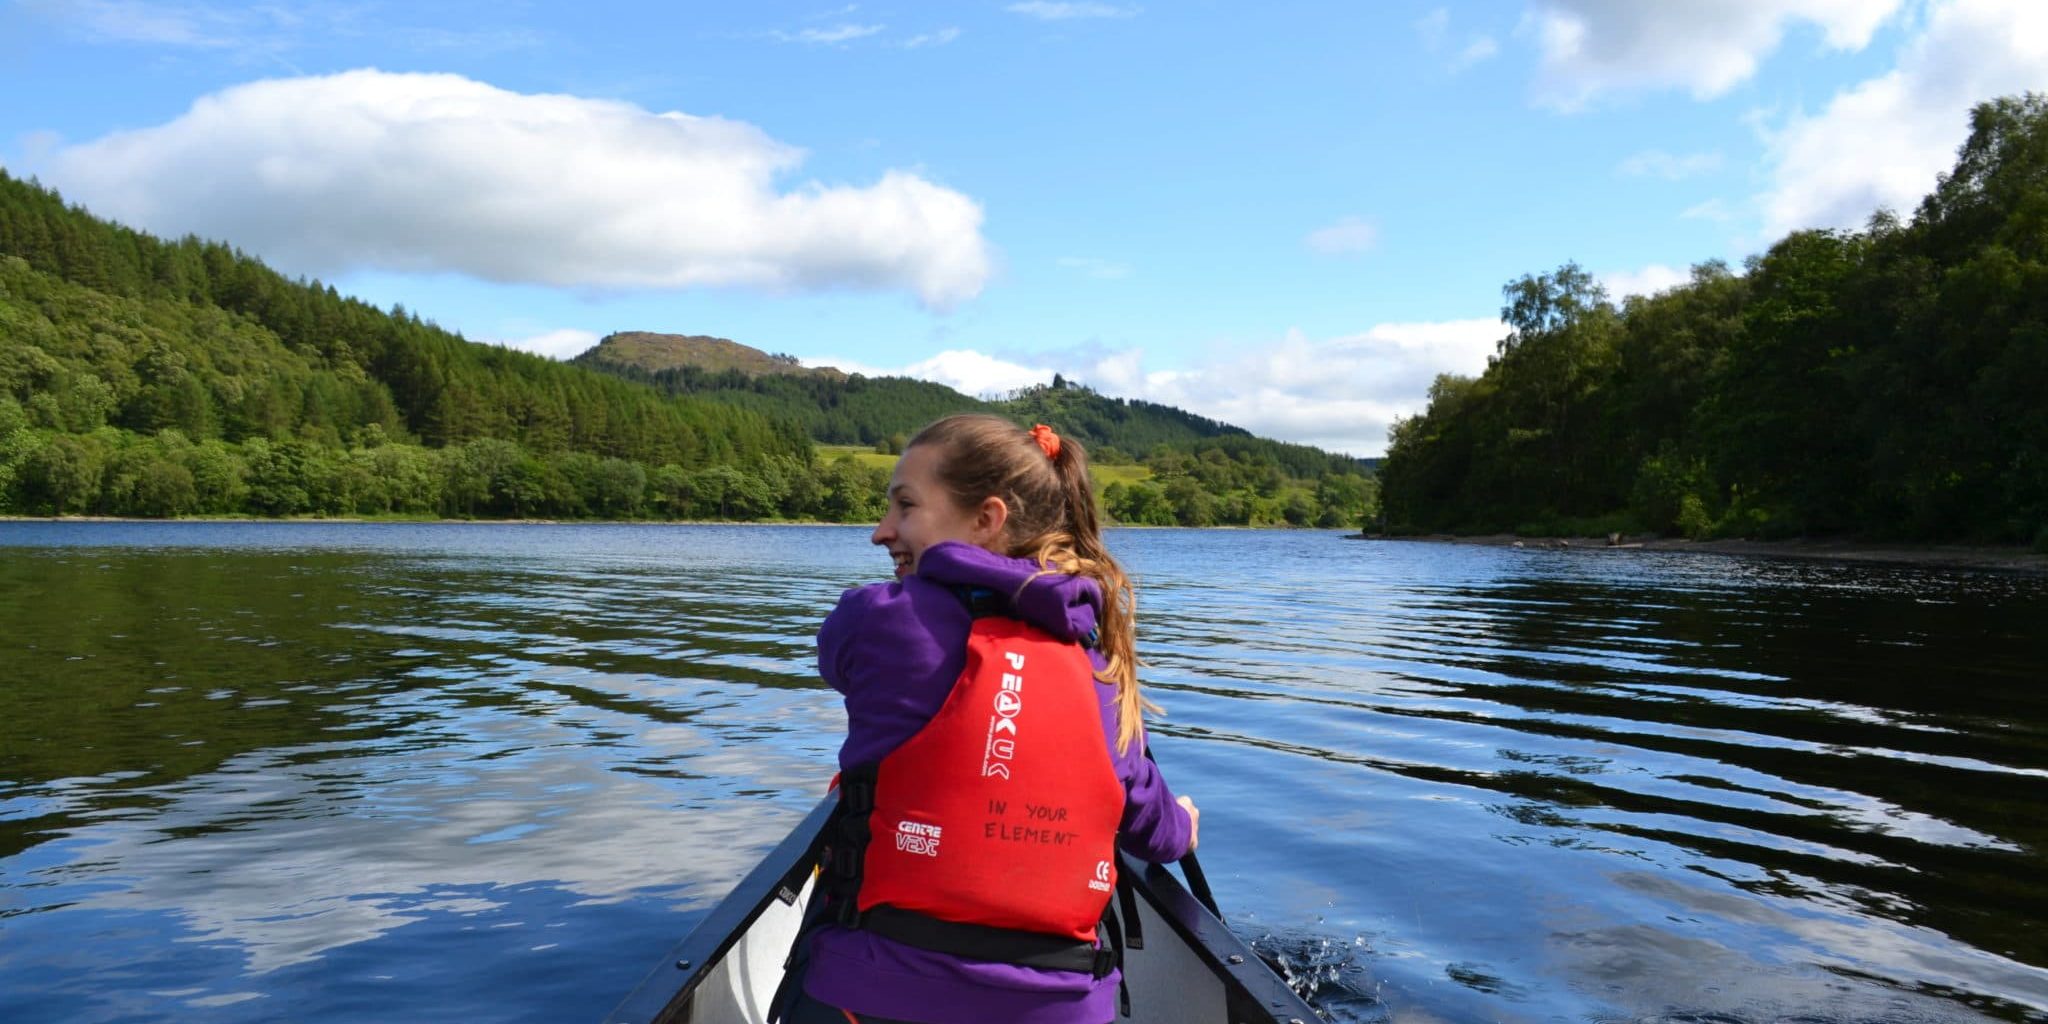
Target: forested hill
x=840, y=409
x=1890, y=383
x=832, y=407
x=140, y=376
x=143, y=376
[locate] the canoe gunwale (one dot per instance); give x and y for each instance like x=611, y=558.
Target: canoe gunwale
x=665, y=991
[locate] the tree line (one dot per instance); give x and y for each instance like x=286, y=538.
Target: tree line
x=1885, y=383
x=1219, y=486
x=113, y=472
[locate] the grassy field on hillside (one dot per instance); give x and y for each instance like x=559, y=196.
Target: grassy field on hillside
x=1106, y=475
x=866, y=455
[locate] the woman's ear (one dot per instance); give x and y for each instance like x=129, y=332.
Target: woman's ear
x=989, y=520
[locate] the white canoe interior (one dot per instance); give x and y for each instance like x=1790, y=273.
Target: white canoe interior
x=1190, y=969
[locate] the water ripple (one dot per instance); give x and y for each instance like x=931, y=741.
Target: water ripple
x=252, y=771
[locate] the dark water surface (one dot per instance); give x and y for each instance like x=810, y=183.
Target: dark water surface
x=268, y=772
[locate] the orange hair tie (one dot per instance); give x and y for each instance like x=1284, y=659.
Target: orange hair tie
x=1048, y=441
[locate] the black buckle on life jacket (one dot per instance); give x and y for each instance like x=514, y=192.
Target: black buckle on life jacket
x=1109, y=944
x=857, y=791
x=846, y=912
x=982, y=602
x=842, y=862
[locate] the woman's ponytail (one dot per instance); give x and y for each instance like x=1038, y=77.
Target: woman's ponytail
x=1054, y=519
x=1085, y=554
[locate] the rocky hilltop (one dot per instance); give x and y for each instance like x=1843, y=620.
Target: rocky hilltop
x=651, y=352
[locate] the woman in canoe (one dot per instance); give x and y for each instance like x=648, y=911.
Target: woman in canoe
x=995, y=749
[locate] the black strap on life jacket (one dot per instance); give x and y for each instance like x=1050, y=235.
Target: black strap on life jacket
x=983, y=602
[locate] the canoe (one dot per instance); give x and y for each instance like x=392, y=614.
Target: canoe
x=1191, y=969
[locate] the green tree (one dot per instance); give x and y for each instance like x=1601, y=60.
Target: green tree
x=852, y=493
x=1558, y=353
x=671, y=491
x=164, y=489
x=219, y=478
x=276, y=477
x=1345, y=500
x=620, y=487
x=727, y=492
x=62, y=475
x=1192, y=505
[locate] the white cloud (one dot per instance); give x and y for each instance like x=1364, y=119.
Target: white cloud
x=251, y=32
x=131, y=21
x=1340, y=393
x=938, y=38
x=964, y=370
x=976, y=373
x=1045, y=10
x=1481, y=49
x=476, y=40
x=1669, y=166
x=1099, y=269
x=1434, y=29
x=565, y=343
x=1648, y=281
x=423, y=173
x=829, y=36
x=1591, y=47
x=1882, y=143
x=1345, y=236
x=1712, y=209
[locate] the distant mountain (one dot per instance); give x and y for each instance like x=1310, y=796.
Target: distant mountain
x=836, y=408
x=648, y=352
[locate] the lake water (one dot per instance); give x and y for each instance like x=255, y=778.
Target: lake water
x=389, y=772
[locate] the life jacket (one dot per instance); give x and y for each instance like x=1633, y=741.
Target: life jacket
x=991, y=832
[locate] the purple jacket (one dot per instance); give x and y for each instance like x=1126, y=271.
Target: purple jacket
x=895, y=650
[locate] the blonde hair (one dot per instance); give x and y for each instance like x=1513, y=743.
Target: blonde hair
x=1053, y=520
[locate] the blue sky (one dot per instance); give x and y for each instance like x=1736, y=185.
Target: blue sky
x=1287, y=215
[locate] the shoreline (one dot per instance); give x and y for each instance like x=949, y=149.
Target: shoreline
x=435, y=521
x=445, y=521
x=1929, y=556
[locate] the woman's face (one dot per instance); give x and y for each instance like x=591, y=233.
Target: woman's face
x=921, y=513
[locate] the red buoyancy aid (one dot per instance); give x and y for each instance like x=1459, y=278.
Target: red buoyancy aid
x=1003, y=810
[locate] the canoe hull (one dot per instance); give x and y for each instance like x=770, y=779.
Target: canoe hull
x=1191, y=968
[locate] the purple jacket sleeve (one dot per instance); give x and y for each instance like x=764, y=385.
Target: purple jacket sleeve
x=1155, y=827
x=894, y=651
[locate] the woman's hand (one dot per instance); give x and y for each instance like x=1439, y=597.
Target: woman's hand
x=1194, y=821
